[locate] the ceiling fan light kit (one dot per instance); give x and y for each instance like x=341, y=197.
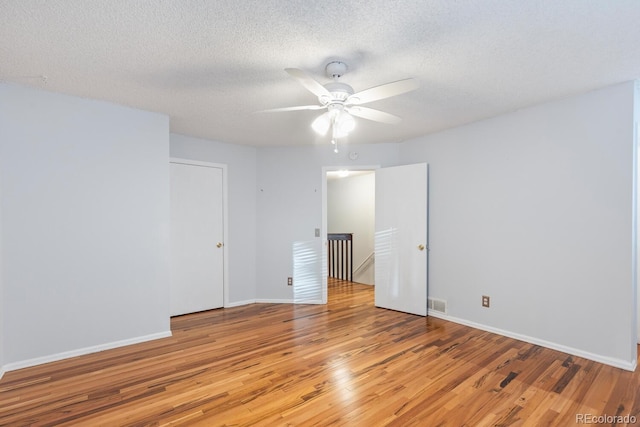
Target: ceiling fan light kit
x=342, y=102
x=336, y=118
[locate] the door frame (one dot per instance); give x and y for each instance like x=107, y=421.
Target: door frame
x=323, y=226
x=225, y=219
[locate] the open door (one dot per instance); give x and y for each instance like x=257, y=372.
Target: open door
x=401, y=238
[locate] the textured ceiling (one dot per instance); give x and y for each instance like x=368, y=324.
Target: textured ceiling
x=211, y=64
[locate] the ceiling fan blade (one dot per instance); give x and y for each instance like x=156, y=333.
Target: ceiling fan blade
x=301, y=107
x=383, y=91
x=308, y=82
x=375, y=115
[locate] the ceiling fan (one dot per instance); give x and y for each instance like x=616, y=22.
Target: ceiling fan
x=342, y=102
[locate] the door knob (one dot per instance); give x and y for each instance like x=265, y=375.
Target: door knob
x=421, y=247
x=219, y=245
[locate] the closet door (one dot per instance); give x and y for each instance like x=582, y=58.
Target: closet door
x=401, y=238
x=197, y=224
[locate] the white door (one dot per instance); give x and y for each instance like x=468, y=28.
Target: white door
x=401, y=238
x=196, y=238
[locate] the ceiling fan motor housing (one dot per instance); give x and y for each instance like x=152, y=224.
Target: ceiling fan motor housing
x=339, y=93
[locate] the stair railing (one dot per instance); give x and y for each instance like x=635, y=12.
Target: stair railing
x=340, y=256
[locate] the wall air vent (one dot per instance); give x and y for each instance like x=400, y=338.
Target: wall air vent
x=436, y=304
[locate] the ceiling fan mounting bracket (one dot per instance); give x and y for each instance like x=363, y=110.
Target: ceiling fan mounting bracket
x=336, y=69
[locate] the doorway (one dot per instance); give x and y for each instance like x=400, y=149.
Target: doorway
x=351, y=210
x=327, y=172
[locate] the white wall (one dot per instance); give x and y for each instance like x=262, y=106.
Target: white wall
x=241, y=244
x=535, y=209
x=290, y=183
x=350, y=209
x=85, y=217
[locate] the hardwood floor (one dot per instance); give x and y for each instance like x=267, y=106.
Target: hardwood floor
x=346, y=363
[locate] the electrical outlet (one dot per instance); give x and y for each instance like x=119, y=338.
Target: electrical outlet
x=289, y=281
x=486, y=301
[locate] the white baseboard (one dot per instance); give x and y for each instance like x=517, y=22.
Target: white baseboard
x=617, y=363
x=1, y=372
x=82, y=351
x=239, y=303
